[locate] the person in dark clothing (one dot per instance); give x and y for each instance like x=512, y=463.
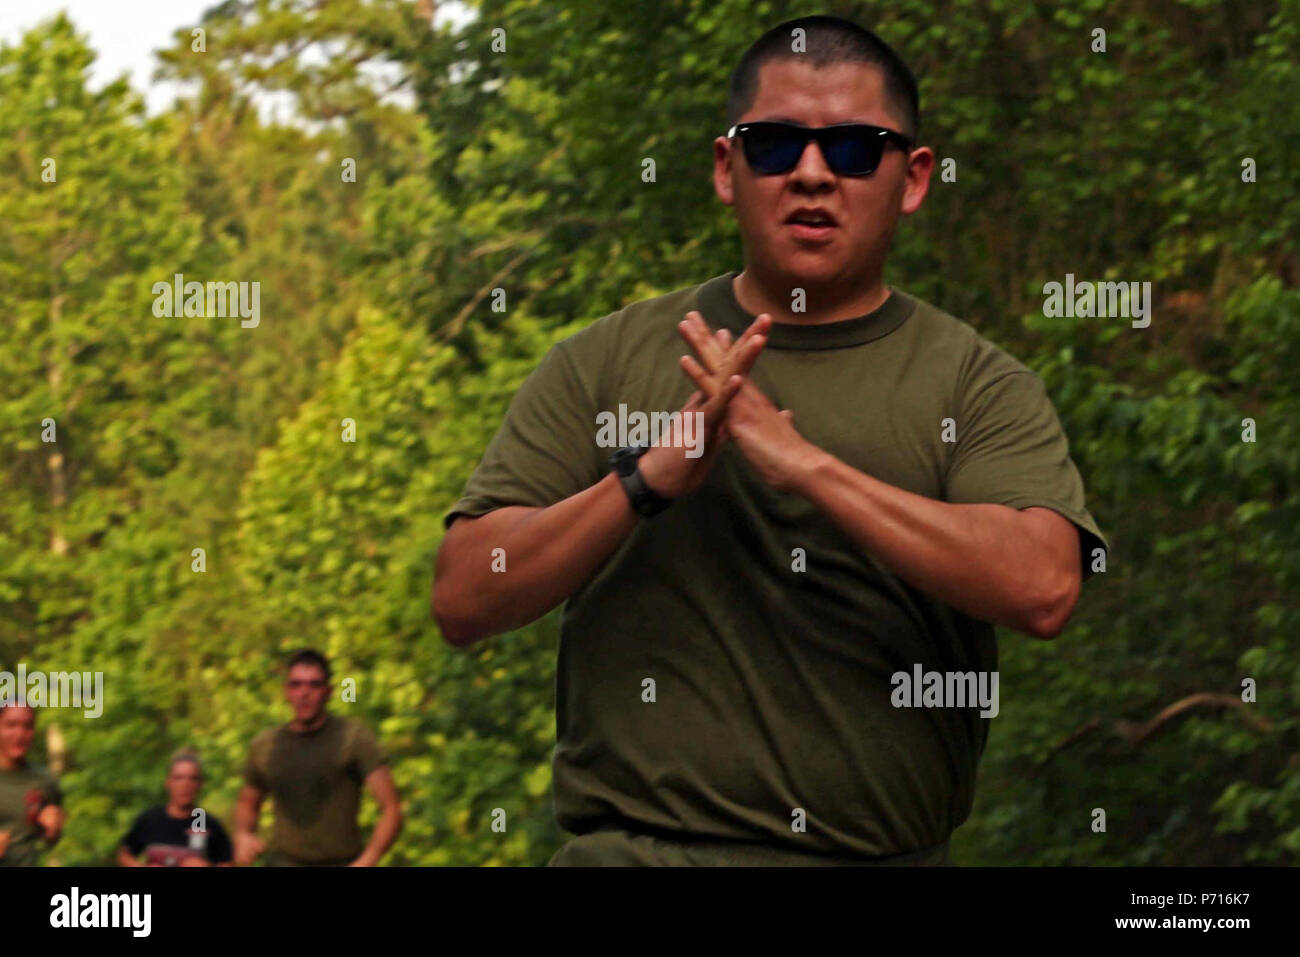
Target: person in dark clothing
x=178, y=833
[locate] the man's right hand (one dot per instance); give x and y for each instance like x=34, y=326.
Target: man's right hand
x=555, y=549
x=248, y=847
x=666, y=468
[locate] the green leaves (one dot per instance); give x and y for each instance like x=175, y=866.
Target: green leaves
x=521, y=171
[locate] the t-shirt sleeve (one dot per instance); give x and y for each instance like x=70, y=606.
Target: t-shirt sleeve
x=367, y=753
x=137, y=838
x=255, y=767
x=219, y=848
x=545, y=449
x=1011, y=450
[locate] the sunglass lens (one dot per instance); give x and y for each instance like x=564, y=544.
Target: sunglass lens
x=852, y=152
x=771, y=149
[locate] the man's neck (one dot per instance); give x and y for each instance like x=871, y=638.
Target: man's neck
x=10, y=764
x=822, y=304
x=312, y=725
x=179, y=810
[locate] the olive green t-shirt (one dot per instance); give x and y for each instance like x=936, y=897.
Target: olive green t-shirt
x=315, y=779
x=24, y=791
x=771, y=685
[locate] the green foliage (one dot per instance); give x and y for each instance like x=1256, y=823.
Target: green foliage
x=478, y=170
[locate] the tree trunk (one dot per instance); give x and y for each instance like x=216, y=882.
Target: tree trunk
x=58, y=484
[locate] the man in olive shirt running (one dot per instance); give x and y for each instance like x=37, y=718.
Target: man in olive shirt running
x=875, y=493
x=31, y=815
x=314, y=768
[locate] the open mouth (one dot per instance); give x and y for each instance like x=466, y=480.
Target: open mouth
x=811, y=223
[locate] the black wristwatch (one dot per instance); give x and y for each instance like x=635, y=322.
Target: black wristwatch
x=645, y=501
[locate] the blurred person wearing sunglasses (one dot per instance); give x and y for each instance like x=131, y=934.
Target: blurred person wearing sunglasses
x=879, y=487
x=314, y=769
x=31, y=812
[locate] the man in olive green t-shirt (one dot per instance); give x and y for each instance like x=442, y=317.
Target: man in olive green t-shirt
x=871, y=487
x=314, y=768
x=31, y=815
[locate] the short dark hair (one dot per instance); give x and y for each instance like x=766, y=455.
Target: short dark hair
x=829, y=40
x=185, y=756
x=308, y=657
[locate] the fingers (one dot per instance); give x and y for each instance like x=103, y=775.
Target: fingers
x=700, y=377
x=758, y=328
x=700, y=338
x=721, y=371
x=714, y=404
x=709, y=382
x=716, y=350
x=715, y=409
x=746, y=354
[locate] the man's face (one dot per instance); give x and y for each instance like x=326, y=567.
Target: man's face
x=184, y=782
x=306, y=689
x=17, y=729
x=865, y=208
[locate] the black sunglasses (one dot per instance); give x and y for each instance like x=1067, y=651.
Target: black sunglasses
x=850, y=149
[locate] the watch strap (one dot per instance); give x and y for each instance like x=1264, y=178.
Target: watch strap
x=646, y=502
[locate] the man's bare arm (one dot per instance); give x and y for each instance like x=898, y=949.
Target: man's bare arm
x=550, y=552
x=247, y=809
x=126, y=859
x=382, y=788
x=1018, y=568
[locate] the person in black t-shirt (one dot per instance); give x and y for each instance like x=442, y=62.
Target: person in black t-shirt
x=177, y=834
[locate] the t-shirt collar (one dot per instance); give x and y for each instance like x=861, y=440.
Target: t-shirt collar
x=717, y=301
x=329, y=720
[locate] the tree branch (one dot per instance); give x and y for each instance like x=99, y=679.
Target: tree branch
x=1134, y=733
x=452, y=329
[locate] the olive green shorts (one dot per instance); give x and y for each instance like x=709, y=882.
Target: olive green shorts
x=614, y=847
x=275, y=859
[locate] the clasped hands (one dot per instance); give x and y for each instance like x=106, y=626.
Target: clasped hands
x=734, y=409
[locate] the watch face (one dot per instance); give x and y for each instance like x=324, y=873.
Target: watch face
x=625, y=460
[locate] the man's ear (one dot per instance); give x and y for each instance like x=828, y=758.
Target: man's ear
x=722, y=171
x=920, y=164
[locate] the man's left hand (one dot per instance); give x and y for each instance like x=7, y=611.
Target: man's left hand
x=764, y=434
x=51, y=821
